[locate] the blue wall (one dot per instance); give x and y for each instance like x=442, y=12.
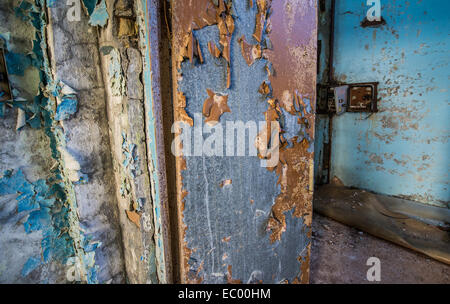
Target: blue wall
x=403, y=150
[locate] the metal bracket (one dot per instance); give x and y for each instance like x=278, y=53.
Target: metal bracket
x=356, y=97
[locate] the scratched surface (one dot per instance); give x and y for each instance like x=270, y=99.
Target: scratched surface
x=403, y=150
x=227, y=203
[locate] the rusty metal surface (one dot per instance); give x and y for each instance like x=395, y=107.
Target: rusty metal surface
x=363, y=97
x=238, y=221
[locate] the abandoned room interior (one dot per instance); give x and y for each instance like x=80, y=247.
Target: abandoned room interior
x=224, y=141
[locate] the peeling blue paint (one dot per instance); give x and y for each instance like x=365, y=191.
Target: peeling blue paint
x=131, y=160
x=31, y=264
x=99, y=16
x=49, y=205
x=17, y=63
x=67, y=108
x=150, y=26
x=90, y=5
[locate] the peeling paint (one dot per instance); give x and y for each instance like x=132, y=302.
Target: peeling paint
x=214, y=106
x=98, y=12
x=50, y=204
x=279, y=46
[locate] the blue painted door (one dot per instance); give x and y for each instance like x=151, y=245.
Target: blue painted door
x=240, y=217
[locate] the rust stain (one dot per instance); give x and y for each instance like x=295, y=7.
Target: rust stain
x=366, y=23
x=304, y=277
x=293, y=35
x=249, y=51
x=264, y=89
x=265, y=135
x=214, y=50
x=127, y=27
x=226, y=182
x=180, y=110
x=214, y=106
x=195, y=17
x=304, y=268
x=134, y=217
x=260, y=18
x=230, y=279
x=226, y=239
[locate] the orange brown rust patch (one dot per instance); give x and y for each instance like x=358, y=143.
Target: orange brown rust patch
x=295, y=161
x=264, y=137
x=226, y=182
x=196, y=17
x=180, y=110
x=134, y=217
x=304, y=267
x=264, y=89
x=213, y=49
x=260, y=18
x=293, y=35
x=293, y=177
x=230, y=279
x=249, y=51
x=226, y=239
x=214, y=106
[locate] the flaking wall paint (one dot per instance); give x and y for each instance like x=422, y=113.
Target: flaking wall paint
x=403, y=149
x=67, y=219
x=227, y=238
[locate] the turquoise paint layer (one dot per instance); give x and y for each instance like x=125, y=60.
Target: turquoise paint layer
x=149, y=21
x=404, y=149
x=50, y=204
x=99, y=16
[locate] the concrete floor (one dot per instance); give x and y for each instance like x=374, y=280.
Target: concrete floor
x=339, y=254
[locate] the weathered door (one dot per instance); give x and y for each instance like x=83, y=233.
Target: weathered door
x=244, y=203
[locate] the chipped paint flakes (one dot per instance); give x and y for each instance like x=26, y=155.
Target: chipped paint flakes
x=230, y=279
x=214, y=106
x=260, y=19
x=115, y=74
x=250, y=52
x=99, y=16
x=181, y=109
x=134, y=217
x=66, y=108
x=214, y=50
x=226, y=182
x=127, y=27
